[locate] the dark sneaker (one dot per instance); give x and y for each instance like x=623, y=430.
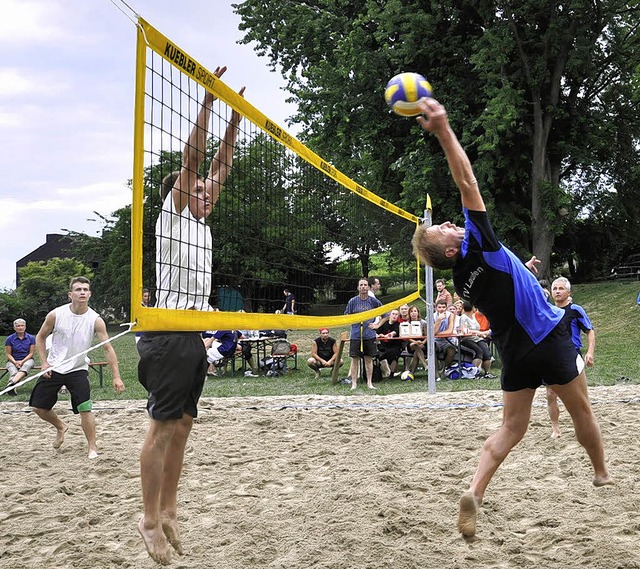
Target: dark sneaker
x=13, y=392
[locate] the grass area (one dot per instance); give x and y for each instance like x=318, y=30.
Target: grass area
x=610, y=305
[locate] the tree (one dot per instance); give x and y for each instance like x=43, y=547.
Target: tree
x=45, y=284
x=541, y=93
x=12, y=307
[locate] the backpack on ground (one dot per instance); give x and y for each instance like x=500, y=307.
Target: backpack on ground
x=280, y=348
x=464, y=370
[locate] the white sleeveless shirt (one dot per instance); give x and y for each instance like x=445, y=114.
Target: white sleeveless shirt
x=183, y=259
x=72, y=334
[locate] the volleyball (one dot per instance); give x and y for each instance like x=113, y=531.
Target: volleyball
x=406, y=376
x=403, y=92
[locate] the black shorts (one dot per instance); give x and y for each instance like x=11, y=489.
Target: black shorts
x=172, y=368
x=390, y=350
x=368, y=348
x=45, y=392
x=553, y=361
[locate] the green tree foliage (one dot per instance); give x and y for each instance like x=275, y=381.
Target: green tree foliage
x=12, y=307
x=543, y=95
x=43, y=286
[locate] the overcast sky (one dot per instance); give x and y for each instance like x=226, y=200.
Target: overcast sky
x=66, y=105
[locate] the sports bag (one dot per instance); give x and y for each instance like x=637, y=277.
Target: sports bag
x=465, y=370
x=280, y=348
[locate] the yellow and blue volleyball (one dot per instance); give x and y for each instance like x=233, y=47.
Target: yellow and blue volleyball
x=406, y=376
x=403, y=92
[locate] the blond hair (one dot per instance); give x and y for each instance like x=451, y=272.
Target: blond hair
x=428, y=249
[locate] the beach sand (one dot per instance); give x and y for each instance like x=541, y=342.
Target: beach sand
x=360, y=481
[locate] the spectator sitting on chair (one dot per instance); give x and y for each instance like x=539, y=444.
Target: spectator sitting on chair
x=220, y=344
x=443, y=325
x=416, y=345
x=389, y=352
x=247, y=351
x=324, y=351
x=476, y=343
x=456, y=316
x=485, y=325
x=20, y=347
x=403, y=313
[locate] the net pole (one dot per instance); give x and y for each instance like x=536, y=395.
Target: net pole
x=428, y=284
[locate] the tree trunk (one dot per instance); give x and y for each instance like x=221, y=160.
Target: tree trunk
x=542, y=233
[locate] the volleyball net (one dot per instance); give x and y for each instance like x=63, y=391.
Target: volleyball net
x=284, y=218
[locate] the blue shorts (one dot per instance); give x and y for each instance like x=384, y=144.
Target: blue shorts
x=553, y=361
x=172, y=368
x=45, y=391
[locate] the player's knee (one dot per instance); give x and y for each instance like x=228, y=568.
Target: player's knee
x=85, y=407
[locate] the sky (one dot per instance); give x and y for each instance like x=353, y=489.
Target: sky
x=66, y=106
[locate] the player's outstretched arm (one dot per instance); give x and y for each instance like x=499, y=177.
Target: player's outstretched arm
x=435, y=120
x=193, y=154
x=223, y=159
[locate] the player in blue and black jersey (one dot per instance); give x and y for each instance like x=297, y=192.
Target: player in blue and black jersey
x=577, y=322
x=533, y=342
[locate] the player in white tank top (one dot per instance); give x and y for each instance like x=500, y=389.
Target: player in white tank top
x=71, y=328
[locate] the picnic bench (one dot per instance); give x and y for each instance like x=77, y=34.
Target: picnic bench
x=97, y=367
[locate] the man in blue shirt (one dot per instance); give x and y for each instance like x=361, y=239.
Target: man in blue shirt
x=20, y=347
x=362, y=341
x=534, y=345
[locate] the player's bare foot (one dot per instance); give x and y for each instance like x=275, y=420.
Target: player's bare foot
x=172, y=533
x=354, y=386
x=603, y=481
x=155, y=542
x=93, y=453
x=555, y=434
x=467, y=515
x=371, y=386
x=60, y=436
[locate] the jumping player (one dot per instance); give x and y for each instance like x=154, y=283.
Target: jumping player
x=173, y=365
x=534, y=345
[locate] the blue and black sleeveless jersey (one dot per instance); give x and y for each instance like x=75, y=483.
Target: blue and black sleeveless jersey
x=492, y=278
x=577, y=321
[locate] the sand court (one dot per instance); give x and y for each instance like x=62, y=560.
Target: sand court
x=326, y=482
